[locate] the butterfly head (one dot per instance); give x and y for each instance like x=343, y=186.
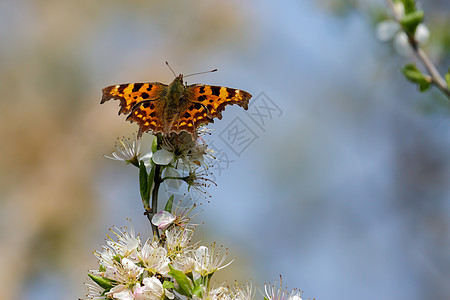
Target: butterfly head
x=179, y=78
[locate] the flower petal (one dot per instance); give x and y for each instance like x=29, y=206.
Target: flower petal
x=386, y=30
x=422, y=34
x=147, y=158
x=202, y=253
x=170, y=295
x=401, y=44
x=121, y=292
x=152, y=284
x=162, y=157
x=173, y=183
x=163, y=219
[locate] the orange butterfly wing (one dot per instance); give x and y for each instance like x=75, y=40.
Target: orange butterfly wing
x=132, y=93
x=206, y=102
x=149, y=115
x=189, y=119
x=141, y=99
x=216, y=98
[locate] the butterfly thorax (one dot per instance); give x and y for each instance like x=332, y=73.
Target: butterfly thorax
x=174, y=100
x=175, y=91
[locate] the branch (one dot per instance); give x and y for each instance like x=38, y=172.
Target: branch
x=157, y=180
x=154, y=208
x=437, y=79
x=432, y=71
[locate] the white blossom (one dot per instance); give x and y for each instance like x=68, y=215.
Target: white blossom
x=152, y=289
x=121, y=292
x=126, y=150
x=178, y=238
x=163, y=219
x=391, y=30
x=154, y=258
x=274, y=292
x=220, y=293
x=163, y=157
x=206, y=262
x=95, y=292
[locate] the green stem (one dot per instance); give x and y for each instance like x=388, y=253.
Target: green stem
x=154, y=208
x=154, y=197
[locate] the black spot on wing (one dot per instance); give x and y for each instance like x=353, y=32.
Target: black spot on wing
x=201, y=98
x=145, y=95
x=231, y=92
x=137, y=87
x=202, y=90
x=149, y=88
x=121, y=88
x=215, y=90
x=147, y=104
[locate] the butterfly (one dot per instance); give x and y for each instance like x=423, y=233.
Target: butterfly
x=173, y=108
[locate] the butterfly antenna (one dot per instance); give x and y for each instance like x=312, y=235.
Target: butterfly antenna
x=171, y=69
x=201, y=73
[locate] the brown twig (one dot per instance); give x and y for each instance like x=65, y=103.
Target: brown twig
x=436, y=77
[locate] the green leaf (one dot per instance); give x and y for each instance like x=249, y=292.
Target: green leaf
x=410, y=21
x=409, y=5
x=168, y=285
x=102, y=282
x=154, y=144
x=413, y=74
x=144, y=185
x=197, y=291
x=169, y=203
x=198, y=281
x=185, y=287
x=424, y=85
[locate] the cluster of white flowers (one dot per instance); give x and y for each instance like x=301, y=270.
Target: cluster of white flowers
x=155, y=269
x=174, y=269
x=390, y=30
